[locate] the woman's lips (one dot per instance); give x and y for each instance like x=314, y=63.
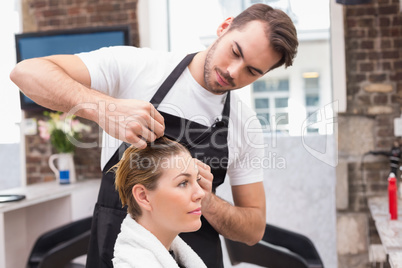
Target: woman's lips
x=196, y=211
x=221, y=80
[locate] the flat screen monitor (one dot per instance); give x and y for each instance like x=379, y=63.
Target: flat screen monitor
x=40, y=44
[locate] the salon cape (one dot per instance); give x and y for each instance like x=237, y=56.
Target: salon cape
x=136, y=247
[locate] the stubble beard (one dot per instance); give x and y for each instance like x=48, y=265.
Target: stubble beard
x=209, y=69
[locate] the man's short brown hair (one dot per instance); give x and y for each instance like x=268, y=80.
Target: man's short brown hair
x=279, y=30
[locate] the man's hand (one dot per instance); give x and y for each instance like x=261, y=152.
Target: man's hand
x=134, y=121
x=205, y=182
x=245, y=220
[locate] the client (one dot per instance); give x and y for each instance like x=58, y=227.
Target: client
x=159, y=184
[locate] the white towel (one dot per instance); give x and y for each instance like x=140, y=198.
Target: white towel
x=136, y=247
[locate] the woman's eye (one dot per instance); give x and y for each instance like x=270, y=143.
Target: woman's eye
x=183, y=184
x=199, y=178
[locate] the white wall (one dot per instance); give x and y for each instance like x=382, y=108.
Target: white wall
x=300, y=197
x=152, y=19
x=9, y=166
x=10, y=113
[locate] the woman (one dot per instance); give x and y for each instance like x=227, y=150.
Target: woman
x=159, y=184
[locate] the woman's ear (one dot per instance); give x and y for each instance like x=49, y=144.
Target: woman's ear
x=140, y=194
x=224, y=26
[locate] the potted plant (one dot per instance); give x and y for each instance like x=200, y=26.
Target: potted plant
x=62, y=130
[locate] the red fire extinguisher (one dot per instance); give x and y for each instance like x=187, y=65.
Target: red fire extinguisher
x=392, y=197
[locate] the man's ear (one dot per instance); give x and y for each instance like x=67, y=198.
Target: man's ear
x=140, y=194
x=224, y=26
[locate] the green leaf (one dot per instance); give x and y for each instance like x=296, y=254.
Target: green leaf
x=60, y=141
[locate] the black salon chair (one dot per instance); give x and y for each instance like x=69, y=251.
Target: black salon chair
x=58, y=247
x=279, y=248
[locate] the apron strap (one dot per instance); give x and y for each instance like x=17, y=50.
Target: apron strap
x=225, y=113
x=164, y=88
x=226, y=108
x=116, y=157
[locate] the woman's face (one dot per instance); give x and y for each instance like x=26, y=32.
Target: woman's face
x=176, y=201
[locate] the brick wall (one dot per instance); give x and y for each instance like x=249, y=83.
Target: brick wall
x=373, y=43
x=44, y=15
x=38, y=151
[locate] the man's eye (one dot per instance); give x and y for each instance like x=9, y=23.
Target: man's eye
x=234, y=53
x=251, y=71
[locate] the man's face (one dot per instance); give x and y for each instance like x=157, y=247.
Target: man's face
x=238, y=58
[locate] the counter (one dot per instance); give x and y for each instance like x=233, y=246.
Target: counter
x=46, y=206
x=390, y=231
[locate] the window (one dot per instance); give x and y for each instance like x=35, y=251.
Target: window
x=312, y=99
x=293, y=97
x=271, y=97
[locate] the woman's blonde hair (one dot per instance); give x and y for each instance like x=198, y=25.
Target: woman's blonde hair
x=143, y=166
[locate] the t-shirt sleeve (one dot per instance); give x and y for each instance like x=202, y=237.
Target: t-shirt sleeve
x=247, y=162
x=110, y=66
x=128, y=72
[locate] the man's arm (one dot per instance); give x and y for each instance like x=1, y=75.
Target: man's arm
x=246, y=220
x=62, y=83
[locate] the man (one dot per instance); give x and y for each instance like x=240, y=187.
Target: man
x=191, y=104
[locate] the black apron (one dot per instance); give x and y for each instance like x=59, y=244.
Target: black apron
x=208, y=144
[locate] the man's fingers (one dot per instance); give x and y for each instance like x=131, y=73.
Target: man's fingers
x=202, y=166
x=157, y=124
x=134, y=121
x=136, y=141
x=148, y=135
x=141, y=144
x=205, y=170
x=144, y=126
x=157, y=128
x=149, y=117
x=136, y=131
x=205, y=184
x=157, y=116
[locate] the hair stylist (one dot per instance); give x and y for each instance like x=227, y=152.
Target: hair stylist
x=137, y=95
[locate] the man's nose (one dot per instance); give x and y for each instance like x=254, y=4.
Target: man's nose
x=234, y=69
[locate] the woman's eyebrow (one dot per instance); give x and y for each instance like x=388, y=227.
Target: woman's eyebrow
x=185, y=175
x=242, y=56
x=182, y=174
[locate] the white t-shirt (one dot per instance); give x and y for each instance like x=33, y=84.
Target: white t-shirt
x=137, y=73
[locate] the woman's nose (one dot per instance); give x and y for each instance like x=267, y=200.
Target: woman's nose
x=198, y=192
